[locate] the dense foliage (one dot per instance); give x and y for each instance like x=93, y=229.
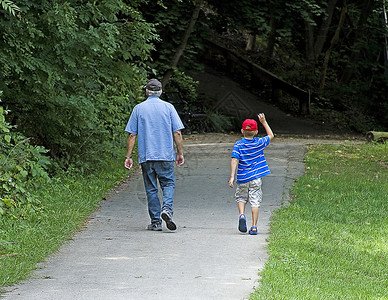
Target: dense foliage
x=336, y=49
x=71, y=72
x=23, y=169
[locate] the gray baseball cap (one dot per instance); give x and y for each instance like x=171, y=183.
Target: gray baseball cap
x=153, y=85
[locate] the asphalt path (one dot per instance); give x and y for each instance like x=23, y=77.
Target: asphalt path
x=115, y=257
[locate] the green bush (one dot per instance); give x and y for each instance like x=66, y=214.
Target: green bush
x=185, y=84
x=71, y=72
x=23, y=168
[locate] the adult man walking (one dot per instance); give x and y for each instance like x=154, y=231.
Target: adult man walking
x=157, y=126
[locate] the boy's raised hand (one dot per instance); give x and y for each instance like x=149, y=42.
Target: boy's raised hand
x=261, y=118
x=268, y=129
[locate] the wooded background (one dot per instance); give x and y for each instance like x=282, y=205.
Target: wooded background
x=71, y=71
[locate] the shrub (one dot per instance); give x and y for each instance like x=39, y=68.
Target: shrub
x=23, y=168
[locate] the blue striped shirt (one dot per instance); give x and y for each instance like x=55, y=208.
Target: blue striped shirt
x=251, y=160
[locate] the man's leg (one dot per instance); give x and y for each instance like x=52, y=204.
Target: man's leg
x=165, y=171
x=151, y=187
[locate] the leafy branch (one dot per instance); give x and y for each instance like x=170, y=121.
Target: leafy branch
x=9, y=6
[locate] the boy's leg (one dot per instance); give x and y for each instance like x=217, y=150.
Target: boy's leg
x=241, y=196
x=241, y=208
x=242, y=220
x=255, y=215
x=255, y=198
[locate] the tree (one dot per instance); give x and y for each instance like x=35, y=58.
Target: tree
x=179, y=44
x=333, y=41
x=358, y=35
x=182, y=45
x=72, y=71
x=317, y=20
x=249, y=16
x=315, y=44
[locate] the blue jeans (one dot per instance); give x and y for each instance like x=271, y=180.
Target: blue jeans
x=164, y=172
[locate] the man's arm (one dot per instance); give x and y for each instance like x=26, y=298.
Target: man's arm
x=179, y=148
x=268, y=129
x=128, y=157
x=233, y=167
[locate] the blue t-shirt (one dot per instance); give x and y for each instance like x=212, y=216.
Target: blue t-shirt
x=251, y=160
x=154, y=121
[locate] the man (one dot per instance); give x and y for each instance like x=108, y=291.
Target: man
x=157, y=126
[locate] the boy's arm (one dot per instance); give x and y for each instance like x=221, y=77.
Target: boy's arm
x=268, y=129
x=233, y=167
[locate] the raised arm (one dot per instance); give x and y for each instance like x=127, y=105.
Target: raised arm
x=268, y=129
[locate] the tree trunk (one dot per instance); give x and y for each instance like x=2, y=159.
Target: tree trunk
x=182, y=46
x=322, y=33
x=309, y=68
x=271, y=38
x=309, y=45
x=333, y=41
x=366, y=9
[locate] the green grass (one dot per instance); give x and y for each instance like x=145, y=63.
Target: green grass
x=67, y=203
x=332, y=241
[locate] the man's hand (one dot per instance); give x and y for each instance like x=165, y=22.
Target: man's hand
x=130, y=144
x=128, y=163
x=180, y=160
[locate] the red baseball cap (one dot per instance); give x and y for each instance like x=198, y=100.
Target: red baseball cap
x=249, y=125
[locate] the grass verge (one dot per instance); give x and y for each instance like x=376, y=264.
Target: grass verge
x=67, y=202
x=332, y=241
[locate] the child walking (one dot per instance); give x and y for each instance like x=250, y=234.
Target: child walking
x=249, y=161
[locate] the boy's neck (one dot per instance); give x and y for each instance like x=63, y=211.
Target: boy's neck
x=249, y=138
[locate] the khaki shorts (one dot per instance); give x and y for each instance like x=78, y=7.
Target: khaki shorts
x=250, y=191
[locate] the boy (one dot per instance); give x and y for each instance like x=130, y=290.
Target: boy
x=248, y=156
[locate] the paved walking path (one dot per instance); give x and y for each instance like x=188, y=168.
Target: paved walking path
x=115, y=257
